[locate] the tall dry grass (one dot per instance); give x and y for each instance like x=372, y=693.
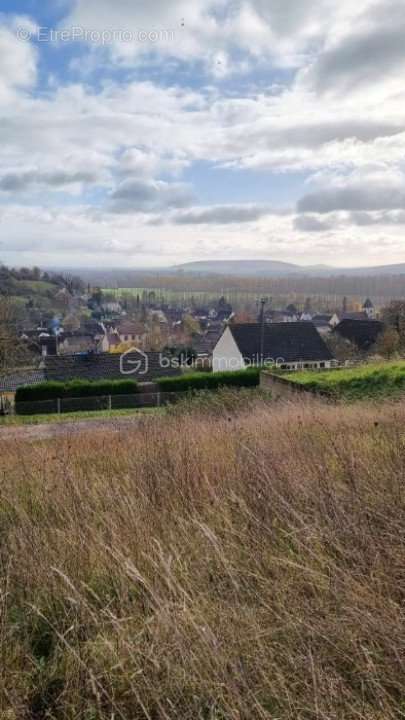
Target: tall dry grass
x=207, y=565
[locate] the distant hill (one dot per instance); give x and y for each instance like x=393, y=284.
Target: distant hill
x=274, y=268
x=239, y=267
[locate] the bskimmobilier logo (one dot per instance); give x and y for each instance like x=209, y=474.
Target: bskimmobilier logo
x=134, y=362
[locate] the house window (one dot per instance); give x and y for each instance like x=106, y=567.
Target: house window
x=322, y=365
x=125, y=338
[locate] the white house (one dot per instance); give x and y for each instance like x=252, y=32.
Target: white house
x=369, y=309
x=289, y=345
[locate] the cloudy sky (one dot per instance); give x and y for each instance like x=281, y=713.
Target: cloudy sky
x=151, y=132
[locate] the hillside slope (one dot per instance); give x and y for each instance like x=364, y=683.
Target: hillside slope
x=274, y=268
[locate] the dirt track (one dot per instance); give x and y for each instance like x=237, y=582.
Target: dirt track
x=46, y=431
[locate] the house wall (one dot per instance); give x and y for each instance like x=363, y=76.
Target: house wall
x=280, y=389
x=308, y=365
x=105, y=344
x=226, y=355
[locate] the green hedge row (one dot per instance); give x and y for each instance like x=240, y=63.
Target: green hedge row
x=75, y=389
x=210, y=381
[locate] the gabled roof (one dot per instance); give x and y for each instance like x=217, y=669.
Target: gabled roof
x=368, y=304
x=106, y=366
x=291, y=341
x=321, y=320
x=353, y=316
x=204, y=344
x=363, y=333
x=277, y=315
x=76, y=344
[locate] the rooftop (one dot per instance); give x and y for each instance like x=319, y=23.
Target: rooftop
x=10, y=382
x=291, y=341
x=363, y=333
x=144, y=367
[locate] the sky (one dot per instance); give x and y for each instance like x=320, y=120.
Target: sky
x=137, y=134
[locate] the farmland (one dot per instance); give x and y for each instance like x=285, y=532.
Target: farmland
x=204, y=291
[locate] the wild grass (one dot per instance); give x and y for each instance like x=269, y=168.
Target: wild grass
x=374, y=380
x=223, y=565
x=73, y=417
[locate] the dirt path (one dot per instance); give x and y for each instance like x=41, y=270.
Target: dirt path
x=46, y=431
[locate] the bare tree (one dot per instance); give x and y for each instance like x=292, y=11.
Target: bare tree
x=394, y=317
x=13, y=350
x=388, y=343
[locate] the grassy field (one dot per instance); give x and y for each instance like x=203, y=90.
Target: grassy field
x=71, y=417
x=183, y=296
x=213, y=565
x=374, y=381
x=36, y=286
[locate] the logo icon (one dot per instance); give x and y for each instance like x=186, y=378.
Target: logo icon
x=134, y=362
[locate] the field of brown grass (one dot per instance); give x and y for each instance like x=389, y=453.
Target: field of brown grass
x=207, y=565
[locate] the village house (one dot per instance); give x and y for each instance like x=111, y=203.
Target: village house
x=289, y=345
x=123, y=333
x=369, y=309
x=355, y=316
x=281, y=316
x=368, y=312
x=322, y=323
x=362, y=333
x=136, y=365
x=10, y=383
x=144, y=367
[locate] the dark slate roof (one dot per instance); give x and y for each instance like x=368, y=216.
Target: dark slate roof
x=363, y=333
x=291, y=341
x=278, y=315
x=144, y=367
x=204, y=344
x=321, y=320
x=368, y=304
x=11, y=382
x=353, y=316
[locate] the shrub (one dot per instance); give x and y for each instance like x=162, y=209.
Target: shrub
x=75, y=389
x=210, y=381
x=43, y=391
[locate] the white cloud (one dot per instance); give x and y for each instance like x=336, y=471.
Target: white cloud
x=361, y=191
x=223, y=214
x=341, y=108
x=372, y=49
x=18, y=59
x=147, y=196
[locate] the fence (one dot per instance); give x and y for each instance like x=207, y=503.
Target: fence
x=102, y=402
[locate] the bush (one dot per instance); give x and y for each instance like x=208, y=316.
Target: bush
x=210, y=381
x=75, y=389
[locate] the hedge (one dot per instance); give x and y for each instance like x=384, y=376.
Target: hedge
x=75, y=389
x=210, y=381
